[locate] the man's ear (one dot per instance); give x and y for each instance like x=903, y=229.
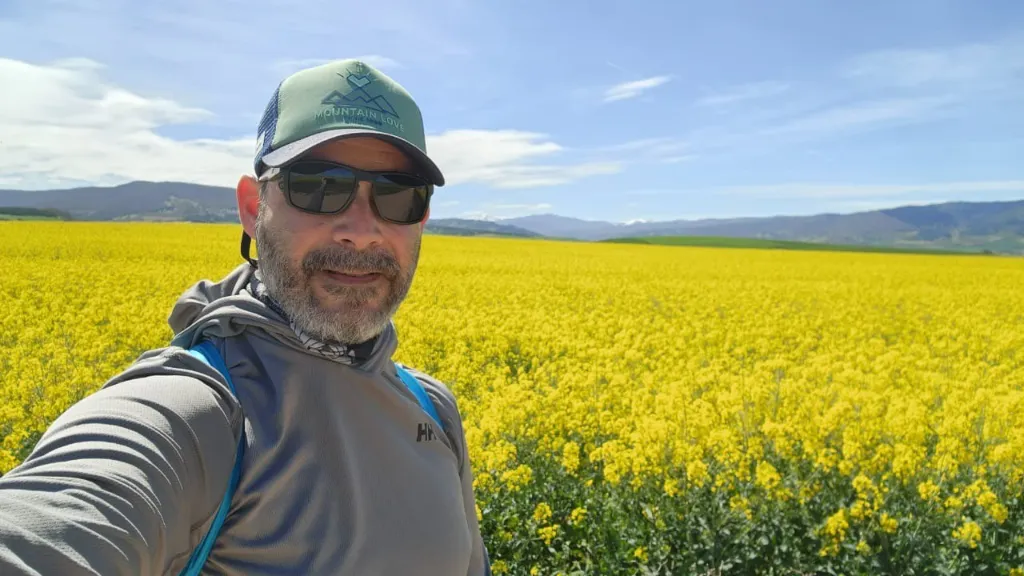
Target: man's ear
x=248, y=194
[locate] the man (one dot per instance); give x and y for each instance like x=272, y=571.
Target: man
x=342, y=468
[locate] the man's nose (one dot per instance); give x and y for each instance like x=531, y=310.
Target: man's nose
x=358, y=224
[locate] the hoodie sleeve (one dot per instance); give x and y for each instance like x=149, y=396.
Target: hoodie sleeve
x=123, y=482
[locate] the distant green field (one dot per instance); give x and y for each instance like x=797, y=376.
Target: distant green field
x=25, y=217
x=724, y=242
x=21, y=213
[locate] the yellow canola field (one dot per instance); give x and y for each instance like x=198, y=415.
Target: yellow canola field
x=631, y=407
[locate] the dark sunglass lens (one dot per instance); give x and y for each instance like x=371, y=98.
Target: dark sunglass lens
x=318, y=187
x=401, y=198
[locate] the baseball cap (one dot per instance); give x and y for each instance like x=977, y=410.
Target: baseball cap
x=340, y=99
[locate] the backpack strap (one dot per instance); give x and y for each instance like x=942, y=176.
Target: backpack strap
x=208, y=353
x=417, y=390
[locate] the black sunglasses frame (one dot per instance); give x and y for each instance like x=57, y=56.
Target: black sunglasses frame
x=283, y=174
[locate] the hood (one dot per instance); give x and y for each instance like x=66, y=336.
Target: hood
x=230, y=306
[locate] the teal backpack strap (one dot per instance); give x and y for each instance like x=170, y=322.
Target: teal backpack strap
x=208, y=353
x=417, y=390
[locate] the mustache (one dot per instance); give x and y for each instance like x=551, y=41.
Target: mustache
x=342, y=259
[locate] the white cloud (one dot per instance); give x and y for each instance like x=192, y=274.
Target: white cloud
x=753, y=91
x=667, y=150
x=978, y=65
x=63, y=123
x=863, y=115
x=505, y=159
x=523, y=207
x=679, y=159
x=639, y=145
x=633, y=89
x=825, y=190
x=503, y=211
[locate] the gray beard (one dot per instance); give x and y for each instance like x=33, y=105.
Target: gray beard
x=354, y=318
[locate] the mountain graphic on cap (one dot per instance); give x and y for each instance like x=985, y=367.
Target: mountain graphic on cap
x=357, y=94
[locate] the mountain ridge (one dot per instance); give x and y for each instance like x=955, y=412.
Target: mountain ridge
x=995, y=226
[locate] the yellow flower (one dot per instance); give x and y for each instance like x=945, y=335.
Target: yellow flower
x=541, y=513
x=697, y=473
x=835, y=532
x=860, y=510
x=518, y=478
x=738, y=503
x=863, y=548
x=571, y=457
x=577, y=516
x=767, y=476
x=928, y=491
x=640, y=554
x=671, y=487
x=888, y=523
x=499, y=567
x=968, y=533
x=548, y=533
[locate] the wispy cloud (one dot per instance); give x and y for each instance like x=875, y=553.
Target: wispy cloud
x=506, y=159
x=633, y=89
x=874, y=91
x=974, y=65
x=503, y=211
x=861, y=115
x=526, y=207
x=665, y=149
x=853, y=191
x=679, y=159
x=743, y=93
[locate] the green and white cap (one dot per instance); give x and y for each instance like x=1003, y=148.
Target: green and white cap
x=340, y=99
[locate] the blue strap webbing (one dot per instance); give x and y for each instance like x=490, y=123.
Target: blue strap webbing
x=206, y=352
x=417, y=390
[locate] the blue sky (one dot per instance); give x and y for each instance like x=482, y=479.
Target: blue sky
x=599, y=110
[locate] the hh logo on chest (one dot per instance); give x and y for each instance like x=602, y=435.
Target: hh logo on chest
x=425, y=432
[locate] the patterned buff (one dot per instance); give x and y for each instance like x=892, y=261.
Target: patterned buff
x=345, y=354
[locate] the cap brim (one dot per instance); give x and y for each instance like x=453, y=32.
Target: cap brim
x=289, y=152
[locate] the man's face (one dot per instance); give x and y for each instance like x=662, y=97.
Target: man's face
x=339, y=277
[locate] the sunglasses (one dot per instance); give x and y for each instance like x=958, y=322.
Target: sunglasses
x=321, y=187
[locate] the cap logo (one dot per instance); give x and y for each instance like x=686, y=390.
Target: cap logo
x=357, y=94
x=358, y=81
x=354, y=104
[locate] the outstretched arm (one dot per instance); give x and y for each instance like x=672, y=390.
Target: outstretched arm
x=123, y=482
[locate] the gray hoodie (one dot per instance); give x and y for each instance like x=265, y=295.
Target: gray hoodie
x=337, y=477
